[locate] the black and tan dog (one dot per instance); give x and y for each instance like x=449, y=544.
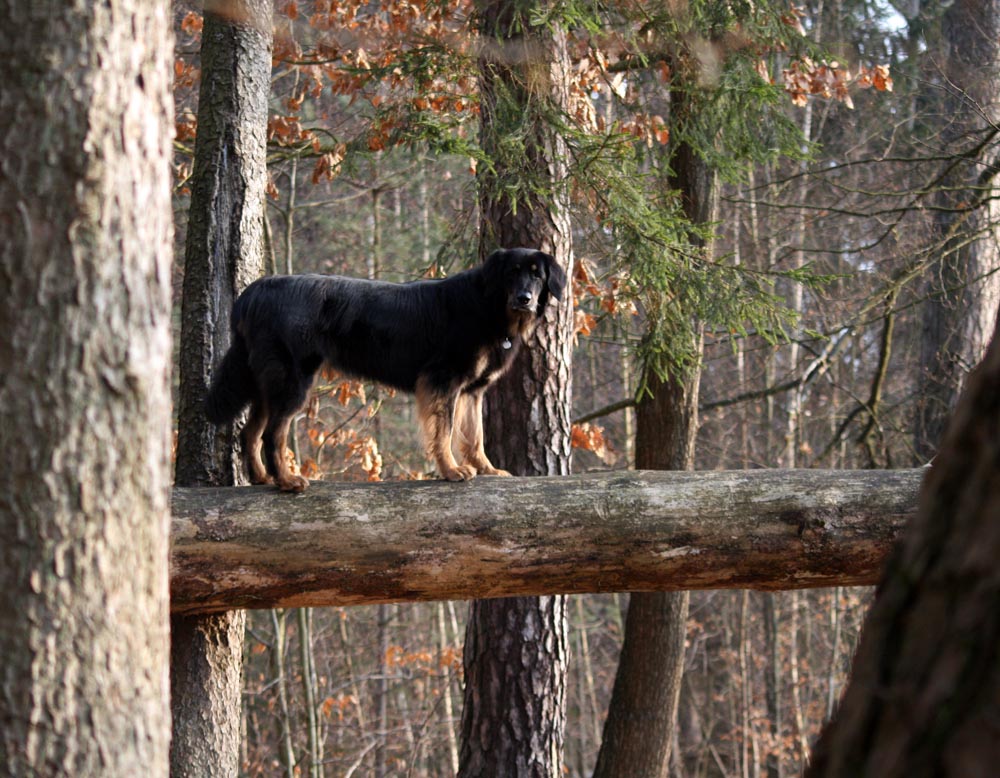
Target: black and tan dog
x=445, y=340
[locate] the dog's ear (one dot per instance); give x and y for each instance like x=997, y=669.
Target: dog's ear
x=493, y=267
x=556, y=275
x=555, y=280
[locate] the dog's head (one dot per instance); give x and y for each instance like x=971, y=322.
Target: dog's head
x=527, y=278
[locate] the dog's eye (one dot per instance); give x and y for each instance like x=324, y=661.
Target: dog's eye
x=534, y=269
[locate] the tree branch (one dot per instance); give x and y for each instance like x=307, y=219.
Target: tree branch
x=812, y=371
x=350, y=544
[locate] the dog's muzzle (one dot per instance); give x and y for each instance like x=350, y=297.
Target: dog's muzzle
x=522, y=302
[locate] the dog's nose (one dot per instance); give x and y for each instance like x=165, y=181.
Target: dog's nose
x=523, y=298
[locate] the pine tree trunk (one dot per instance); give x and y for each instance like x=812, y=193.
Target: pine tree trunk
x=85, y=251
x=515, y=688
x=224, y=248
x=223, y=253
x=642, y=714
x=516, y=648
x=925, y=685
x=206, y=681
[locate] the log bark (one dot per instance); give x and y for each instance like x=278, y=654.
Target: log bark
x=352, y=544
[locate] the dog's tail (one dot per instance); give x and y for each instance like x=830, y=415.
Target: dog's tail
x=232, y=385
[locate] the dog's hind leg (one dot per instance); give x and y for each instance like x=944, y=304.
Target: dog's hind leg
x=252, y=431
x=436, y=410
x=285, y=389
x=276, y=454
x=470, y=434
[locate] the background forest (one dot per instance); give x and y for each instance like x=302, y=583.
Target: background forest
x=838, y=290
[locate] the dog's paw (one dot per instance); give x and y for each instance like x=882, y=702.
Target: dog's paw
x=495, y=471
x=460, y=473
x=294, y=483
x=257, y=480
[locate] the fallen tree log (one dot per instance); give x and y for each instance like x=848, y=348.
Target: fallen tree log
x=350, y=544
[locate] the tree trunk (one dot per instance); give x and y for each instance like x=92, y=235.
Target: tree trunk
x=963, y=291
x=279, y=621
x=381, y=691
x=515, y=687
x=643, y=710
x=351, y=544
x=224, y=250
x=310, y=688
x=772, y=686
x=223, y=253
x=85, y=251
x=206, y=682
x=447, y=712
x=642, y=714
x=516, y=649
x=925, y=687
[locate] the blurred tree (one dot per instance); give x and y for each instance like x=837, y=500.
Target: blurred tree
x=963, y=285
x=925, y=686
x=85, y=252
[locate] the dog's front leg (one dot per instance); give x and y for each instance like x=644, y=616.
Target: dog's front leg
x=436, y=410
x=470, y=434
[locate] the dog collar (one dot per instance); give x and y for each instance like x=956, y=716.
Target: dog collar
x=506, y=344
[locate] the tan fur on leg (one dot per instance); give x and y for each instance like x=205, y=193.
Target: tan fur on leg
x=287, y=482
x=436, y=413
x=252, y=444
x=469, y=430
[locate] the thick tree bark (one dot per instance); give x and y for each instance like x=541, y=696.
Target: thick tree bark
x=349, y=544
x=527, y=423
x=223, y=253
x=642, y=714
x=225, y=232
x=515, y=687
x=206, y=681
x=963, y=289
x=516, y=649
x=85, y=250
x=924, y=691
